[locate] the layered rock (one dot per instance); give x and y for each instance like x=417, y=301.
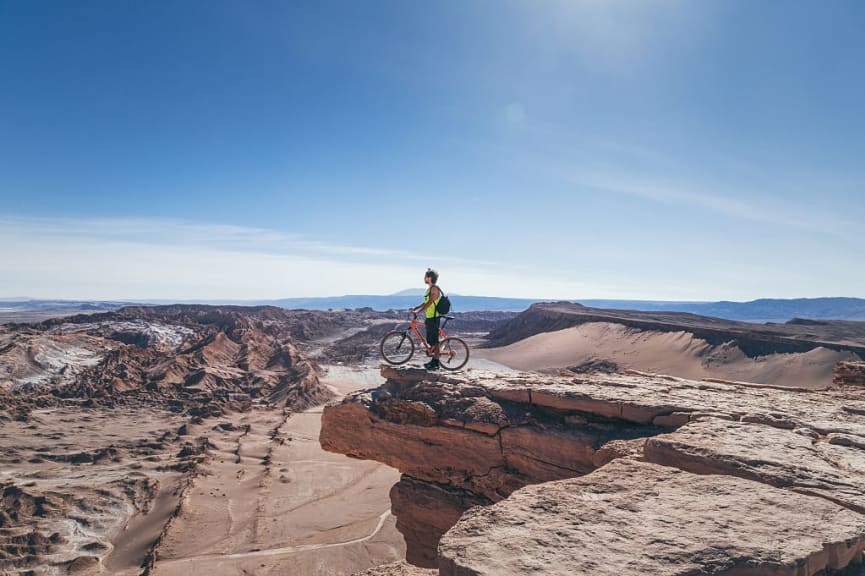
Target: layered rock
x=849, y=374
x=461, y=443
x=830, y=466
x=632, y=518
x=468, y=439
x=397, y=569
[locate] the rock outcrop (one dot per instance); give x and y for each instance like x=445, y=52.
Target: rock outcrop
x=671, y=476
x=631, y=518
x=397, y=569
x=849, y=374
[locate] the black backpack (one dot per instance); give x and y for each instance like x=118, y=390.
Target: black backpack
x=443, y=306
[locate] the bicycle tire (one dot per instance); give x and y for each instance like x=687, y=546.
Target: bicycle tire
x=396, y=347
x=454, y=353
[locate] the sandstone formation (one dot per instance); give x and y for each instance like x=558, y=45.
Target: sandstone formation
x=849, y=374
x=397, y=569
x=764, y=454
x=425, y=510
x=825, y=464
x=631, y=519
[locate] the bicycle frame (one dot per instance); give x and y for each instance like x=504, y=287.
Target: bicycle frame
x=414, y=325
x=452, y=353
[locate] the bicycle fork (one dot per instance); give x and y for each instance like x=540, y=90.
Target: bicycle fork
x=405, y=337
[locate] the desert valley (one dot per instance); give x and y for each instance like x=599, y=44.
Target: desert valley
x=257, y=440
x=220, y=221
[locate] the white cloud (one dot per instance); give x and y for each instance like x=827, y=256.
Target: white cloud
x=139, y=259
x=167, y=259
x=780, y=212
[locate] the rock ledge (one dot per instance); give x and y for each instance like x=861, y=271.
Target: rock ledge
x=691, y=477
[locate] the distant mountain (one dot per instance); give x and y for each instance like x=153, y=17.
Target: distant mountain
x=763, y=310
x=403, y=302
x=410, y=292
x=77, y=305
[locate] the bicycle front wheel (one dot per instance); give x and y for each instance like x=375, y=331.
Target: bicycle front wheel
x=454, y=353
x=396, y=347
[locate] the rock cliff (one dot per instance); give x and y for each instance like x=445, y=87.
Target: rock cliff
x=613, y=473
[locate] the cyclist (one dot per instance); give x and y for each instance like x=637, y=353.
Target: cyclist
x=430, y=300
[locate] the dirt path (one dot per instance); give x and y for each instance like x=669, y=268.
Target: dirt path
x=280, y=551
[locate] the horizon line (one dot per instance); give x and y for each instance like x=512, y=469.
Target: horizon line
x=161, y=301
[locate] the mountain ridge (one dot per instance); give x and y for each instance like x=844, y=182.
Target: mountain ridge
x=760, y=310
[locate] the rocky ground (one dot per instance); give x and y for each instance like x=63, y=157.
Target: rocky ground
x=614, y=473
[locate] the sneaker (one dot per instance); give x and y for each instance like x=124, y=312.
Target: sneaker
x=432, y=364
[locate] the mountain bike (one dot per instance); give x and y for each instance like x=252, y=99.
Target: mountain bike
x=397, y=347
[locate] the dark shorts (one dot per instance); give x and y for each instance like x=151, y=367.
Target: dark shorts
x=432, y=330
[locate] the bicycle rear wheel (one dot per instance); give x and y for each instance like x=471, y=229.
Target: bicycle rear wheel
x=396, y=347
x=454, y=353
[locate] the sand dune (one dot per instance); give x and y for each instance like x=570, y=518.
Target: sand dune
x=674, y=353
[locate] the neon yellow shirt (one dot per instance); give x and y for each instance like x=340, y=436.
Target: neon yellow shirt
x=431, y=311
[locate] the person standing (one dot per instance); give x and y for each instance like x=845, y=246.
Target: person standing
x=430, y=301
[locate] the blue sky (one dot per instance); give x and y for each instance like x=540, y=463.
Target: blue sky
x=658, y=149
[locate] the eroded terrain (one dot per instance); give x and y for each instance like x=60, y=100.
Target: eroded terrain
x=186, y=440
x=183, y=440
